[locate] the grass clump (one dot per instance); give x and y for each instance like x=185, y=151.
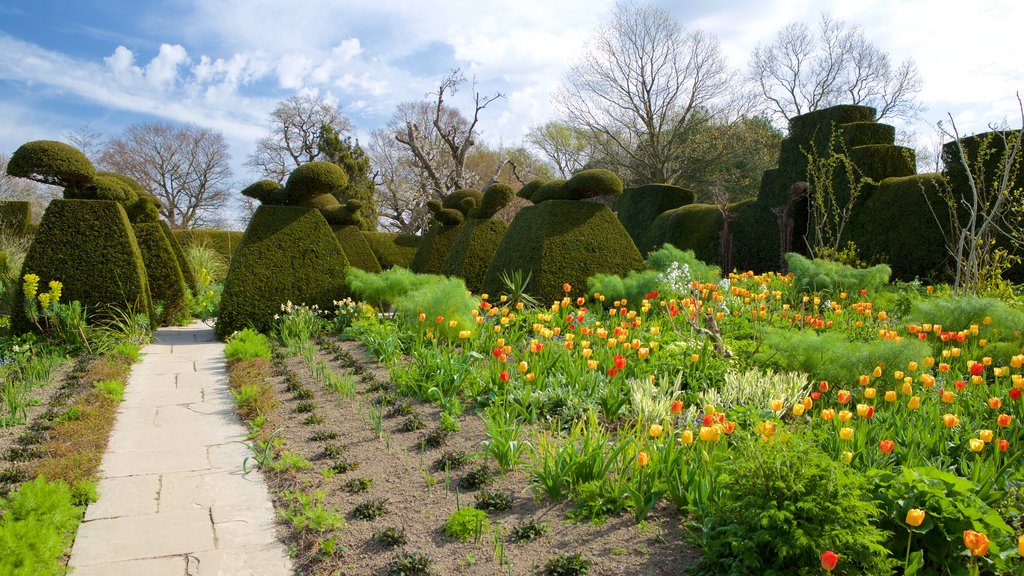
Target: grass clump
x=37, y=525
x=247, y=344
x=467, y=524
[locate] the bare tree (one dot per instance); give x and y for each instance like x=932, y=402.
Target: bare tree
x=185, y=166
x=801, y=71
x=568, y=148
x=637, y=88
x=86, y=139
x=23, y=189
x=296, y=126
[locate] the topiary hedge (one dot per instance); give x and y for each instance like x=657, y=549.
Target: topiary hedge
x=50, y=162
x=694, y=227
x=179, y=254
x=881, y=161
x=561, y=241
x=287, y=254
x=639, y=206
x=895, y=225
x=89, y=246
x=867, y=133
x=166, y=282
x=434, y=248
x=356, y=248
x=393, y=249
x=473, y=250
x=223, y=241
x=15, y=217
x=755, y=237
x=313, y=179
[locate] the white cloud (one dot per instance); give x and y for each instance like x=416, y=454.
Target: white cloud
x=122, y=64
x=162, y=70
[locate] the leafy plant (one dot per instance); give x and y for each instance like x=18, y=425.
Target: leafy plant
x=370, y=509
x=246, y=344
x=36, y=528
x=756, y=388
x=452, y=460
x=467, y=524
x=477, y=478
x=413, y=563
x=434, y=439
x=503, y=443
x=357, y=485
x=391, y=537
x=307, y=513
x=493, y=501
x=821, y=275
x=567, y=565
x=528, y=531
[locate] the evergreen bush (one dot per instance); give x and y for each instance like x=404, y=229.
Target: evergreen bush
x=179, y=255
x=473, y=250
x=639, y=206
x=50, y=162
x=393, y=249
x=385, y=288
x=166, y=281
x=287, y=254
x=356, y=248
x=821, y=275
x=435, y=246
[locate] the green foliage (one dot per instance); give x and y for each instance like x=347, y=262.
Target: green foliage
x=549, y=190
x=561, y=242
x=495, y=197
x=529, y=189
x=392, y=250
x=951, y=505
x=867, y=133
x=782, y=504
x=435, y=247
x=246, y=344
x=89, y=246
x=386, y=287
x=179, y=255
x=446, y=298
x=636, y=285
x=103, y=188
x=264, y=274
x=693, y=227
x=223, y=241
x=755, y=236
x=356, y=248
x=307, y=513
x=663, y=258
x=37, y=525
x=54, y=163
x=313, y=179
x=567, y=565
x=756, y=388
x=473, y=250
x=15, y=217
x=528, y=531
x=820, y=275
x=166, y=282
x=830, y=356
x=467, y=524
x=201, y=258
x=462, y=200
x=638, y=207
x=353, y=160
x=390, y=537
x=880, y=161
x=413, y=563
x=370, y=509
x=266, y=192
x=956, y=313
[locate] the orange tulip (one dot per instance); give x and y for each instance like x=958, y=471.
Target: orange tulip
x=642, y=460
x=950, y=420
x=915, y=516
x=976, y=542
x=1004, y=420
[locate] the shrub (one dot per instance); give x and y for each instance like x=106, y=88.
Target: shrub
x=200, y=256
x=495, y=197
x=434, y=248
x=755, y=237
x=592, y=183
x=549, y=190
x=867, y=133
x=37, y=526
x=473, y=250
x=179, y=255
x=387, y=287
x=559, y=242
x=166, y=282
x=246, y=344
x=467, y=524
x=693, y=227
x=567, y=565
x=636, y=285
x=880, y=161
x=393, y=250
x=315, y=178
x=15, y=217
x=223, y=241
x=529, y=189
x=264, y=274
x=954, y=313
x=821, y=275
x=785, y=502
x=54, y=163
x=413, y=563
x=446, y=298
x=639, y=206
x=89, y=246
x=356, y=248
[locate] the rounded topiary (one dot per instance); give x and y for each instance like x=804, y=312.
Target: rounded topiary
x=356, y=248
x=692, y=227
x=562, y=241
x=314, y=179
x=166, y=282
x=434, y=248
x=549, y=190
x=266, y=192
x=89, y=246
x=593, y=183
x=143, y=209
x=288, y=253
x=50, y=162
x=495, y=197
x=128, y=181
x=639, y=206
x=462, y=200
x=348, y=214
x=529, y=189
x=393, y=249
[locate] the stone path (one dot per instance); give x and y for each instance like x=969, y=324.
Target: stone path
x=173, y=500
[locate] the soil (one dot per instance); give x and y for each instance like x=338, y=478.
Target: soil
x=417, y=500
x=20, y=444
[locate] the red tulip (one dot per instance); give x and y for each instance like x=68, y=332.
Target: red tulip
x=503, y=376
x=1015, y=393
x=620, y=362
x=977, y=369
x=829, y=559
x=886, y=446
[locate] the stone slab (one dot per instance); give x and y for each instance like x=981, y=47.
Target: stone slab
x=125, y=496
x=171, y=566
x=140, y=537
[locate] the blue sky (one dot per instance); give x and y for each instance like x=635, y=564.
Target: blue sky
x=223, y=64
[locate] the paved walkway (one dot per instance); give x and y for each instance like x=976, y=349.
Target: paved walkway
x=173, y=500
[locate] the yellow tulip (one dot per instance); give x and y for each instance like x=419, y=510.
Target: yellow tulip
x=686, y=437
x=914, y=403
x=985, y=435
x=845, y=433
x=915, y=516
x=655, y=430
x=976, y=444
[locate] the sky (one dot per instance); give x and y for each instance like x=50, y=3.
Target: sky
x=224, y=64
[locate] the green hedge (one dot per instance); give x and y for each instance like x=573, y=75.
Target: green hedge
x=562, y=241
x=755, y=237
x=356, y=248
x=894, y=225
x=473, y=250
x=881, y=161
x=639, y=206
x=51, y=162
x=694, y=227
x=89, y=246
x=166, y=282
x=223, y=241
x=287, y=254
x=867, y=133
x=15, y=217
x=803, y=127
x=179, y=254
x=393, y=249
x=434, y=248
